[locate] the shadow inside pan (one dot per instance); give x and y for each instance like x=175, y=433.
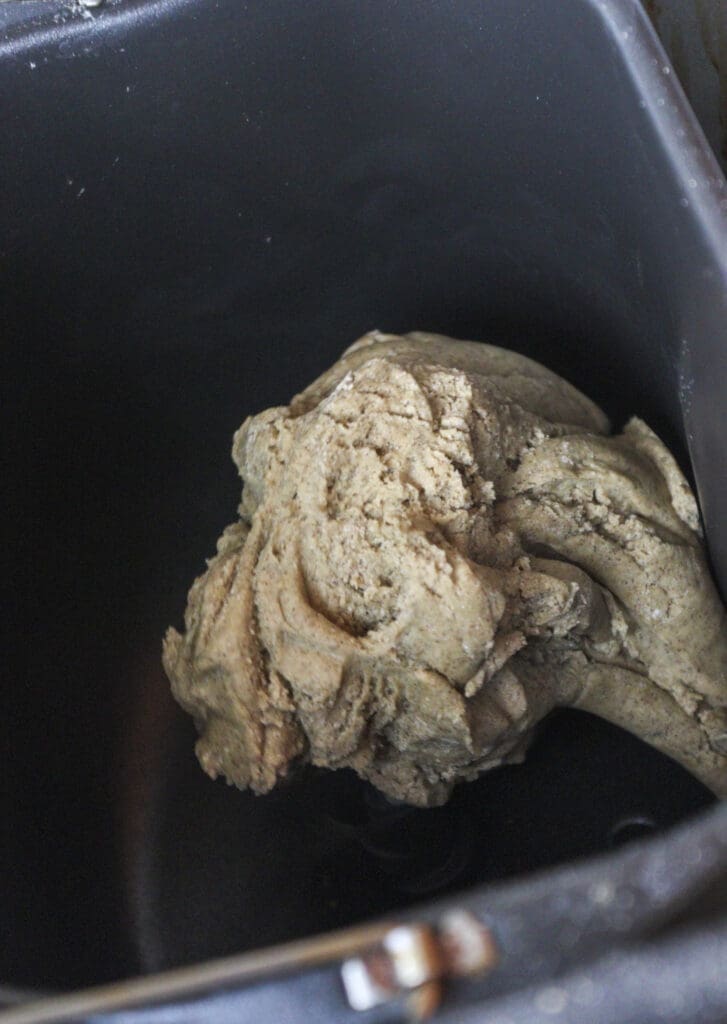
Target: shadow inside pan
x=216, y=870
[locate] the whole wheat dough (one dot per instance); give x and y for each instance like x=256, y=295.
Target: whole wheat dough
x=438, y=543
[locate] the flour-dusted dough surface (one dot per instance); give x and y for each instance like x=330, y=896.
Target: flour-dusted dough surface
x=438, y=543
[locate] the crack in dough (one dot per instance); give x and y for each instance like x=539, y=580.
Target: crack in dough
x=438, y=543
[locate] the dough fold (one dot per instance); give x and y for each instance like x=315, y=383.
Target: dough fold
x=438, y=542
